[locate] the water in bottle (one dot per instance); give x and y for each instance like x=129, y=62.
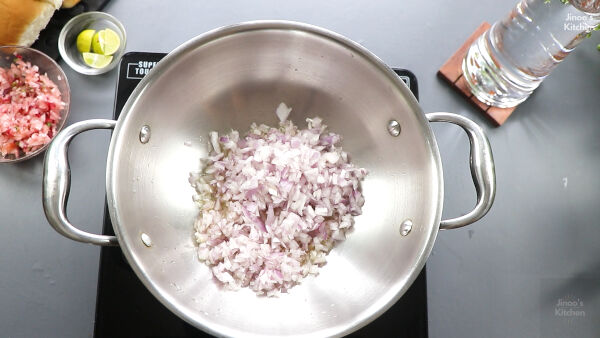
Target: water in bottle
x=509, y=61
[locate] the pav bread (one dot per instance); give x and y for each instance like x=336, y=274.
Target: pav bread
x=69, y=3
x=22, y=20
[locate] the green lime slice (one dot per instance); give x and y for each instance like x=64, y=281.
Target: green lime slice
x=95, y=60
x=106, y=42
x=84, y=40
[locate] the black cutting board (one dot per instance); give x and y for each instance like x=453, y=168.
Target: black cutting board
x=48, y=39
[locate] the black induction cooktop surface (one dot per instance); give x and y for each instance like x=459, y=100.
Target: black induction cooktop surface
x=125, y=308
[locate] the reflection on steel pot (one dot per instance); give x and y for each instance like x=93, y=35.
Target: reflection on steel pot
x=229, y=78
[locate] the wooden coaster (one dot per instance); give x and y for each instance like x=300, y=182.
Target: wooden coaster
x=451, y=71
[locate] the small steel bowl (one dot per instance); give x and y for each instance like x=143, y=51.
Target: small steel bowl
x=46, y=66
x=67, y=40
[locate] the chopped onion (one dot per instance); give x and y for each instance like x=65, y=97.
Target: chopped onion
x=283, y=111
x=273, y=203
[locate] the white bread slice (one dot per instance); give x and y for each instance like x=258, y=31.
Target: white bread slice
x=22, y=20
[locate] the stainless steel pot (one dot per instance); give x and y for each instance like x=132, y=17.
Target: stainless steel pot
x=229, y=78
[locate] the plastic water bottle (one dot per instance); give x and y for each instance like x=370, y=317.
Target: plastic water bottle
x=508, y=62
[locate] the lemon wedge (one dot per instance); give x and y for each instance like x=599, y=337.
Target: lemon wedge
x=84, y=40
x=96, y=60
x=106, y=42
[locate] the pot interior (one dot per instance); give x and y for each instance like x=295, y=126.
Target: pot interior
x=228, y=79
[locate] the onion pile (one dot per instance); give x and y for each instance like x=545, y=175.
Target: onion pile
x=273, y=203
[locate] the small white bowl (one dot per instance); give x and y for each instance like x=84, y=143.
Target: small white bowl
x=67, y=40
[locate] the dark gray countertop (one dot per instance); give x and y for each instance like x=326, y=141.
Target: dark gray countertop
x=500, y=277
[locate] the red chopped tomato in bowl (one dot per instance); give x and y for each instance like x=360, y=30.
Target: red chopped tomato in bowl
x=30, y=106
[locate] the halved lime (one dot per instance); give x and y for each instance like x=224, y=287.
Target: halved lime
x=84, y=40
x=106, y=42
x=95, y=60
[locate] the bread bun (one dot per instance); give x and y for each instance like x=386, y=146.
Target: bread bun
x=22, y=20
x=69, y=3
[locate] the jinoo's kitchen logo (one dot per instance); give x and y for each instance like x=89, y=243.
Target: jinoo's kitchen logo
x=578, y=23
x=566, y=307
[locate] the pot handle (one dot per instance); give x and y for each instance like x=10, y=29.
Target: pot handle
x=482, y=169
x=56, y=183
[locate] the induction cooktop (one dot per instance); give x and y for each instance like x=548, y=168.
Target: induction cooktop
x=125, y=308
